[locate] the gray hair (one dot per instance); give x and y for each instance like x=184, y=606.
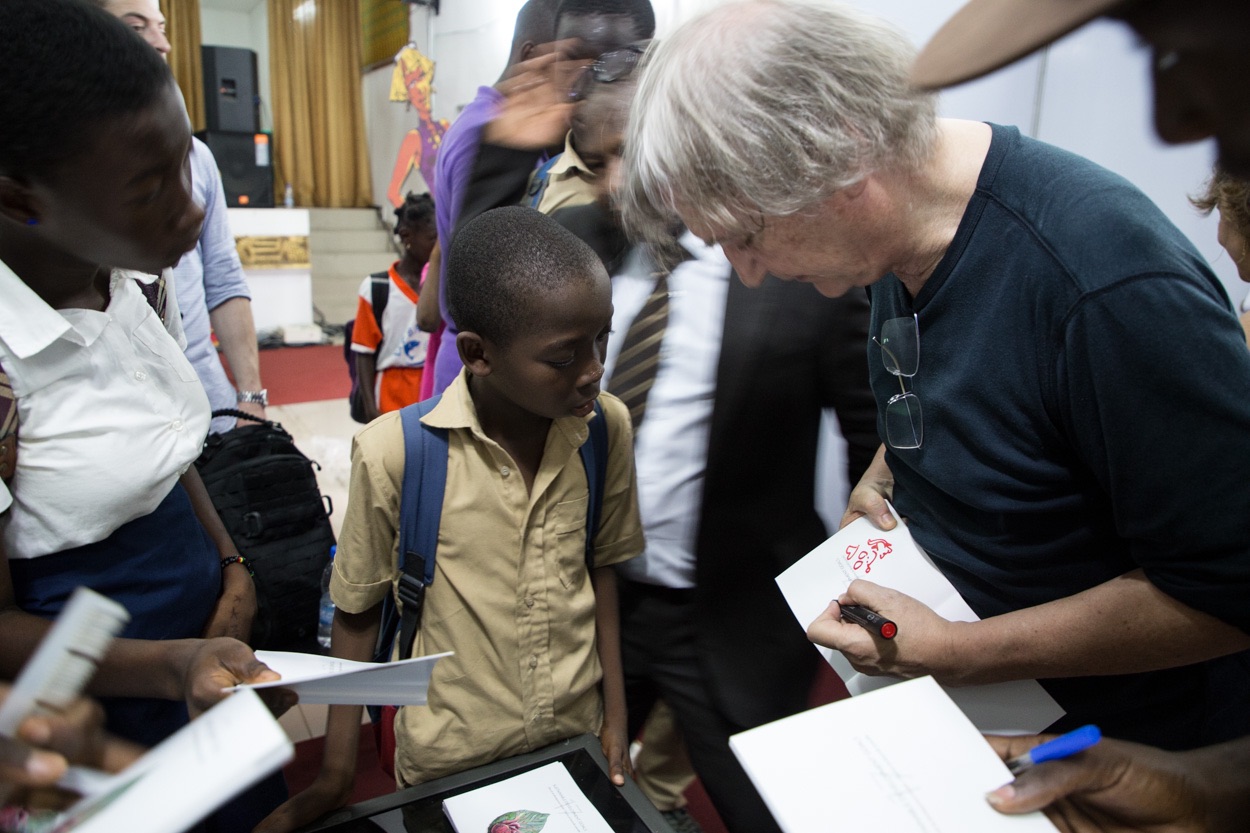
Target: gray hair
x=764, y=108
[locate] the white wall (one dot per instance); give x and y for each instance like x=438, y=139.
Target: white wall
x=247, y=30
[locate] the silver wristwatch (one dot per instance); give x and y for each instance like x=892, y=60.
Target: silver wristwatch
x=255, y=397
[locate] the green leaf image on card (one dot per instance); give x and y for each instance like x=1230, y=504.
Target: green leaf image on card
x=518, y=821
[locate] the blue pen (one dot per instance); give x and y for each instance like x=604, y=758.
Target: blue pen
x=1078, y=740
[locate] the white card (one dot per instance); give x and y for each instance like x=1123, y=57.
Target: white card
x=892, y=559
x=903, y=759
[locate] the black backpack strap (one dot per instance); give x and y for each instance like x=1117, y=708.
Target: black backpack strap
x=594, y=454
x=379, y=294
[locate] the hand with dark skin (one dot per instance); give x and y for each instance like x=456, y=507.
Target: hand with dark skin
x=613, y=735
x=1117, y=787
x=45, y=747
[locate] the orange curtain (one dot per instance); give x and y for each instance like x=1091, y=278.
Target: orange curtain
x=182, y=25
x=318, y=122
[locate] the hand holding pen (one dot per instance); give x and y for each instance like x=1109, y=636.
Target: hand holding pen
x=1121, y=787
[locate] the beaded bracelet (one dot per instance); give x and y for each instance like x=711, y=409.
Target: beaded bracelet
x=238, y=559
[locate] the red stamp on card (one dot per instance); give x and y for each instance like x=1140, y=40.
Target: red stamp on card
x=862, y=556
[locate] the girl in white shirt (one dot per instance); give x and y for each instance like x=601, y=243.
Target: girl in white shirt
x=94, y=181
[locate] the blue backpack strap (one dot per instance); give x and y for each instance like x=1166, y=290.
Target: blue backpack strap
x=595, y=458
x=420, y=510
x=538, y=185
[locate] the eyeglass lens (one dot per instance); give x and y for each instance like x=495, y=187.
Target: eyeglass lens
x=900, y=353
x=900, y=345
x=904, y=421
x=615, y=65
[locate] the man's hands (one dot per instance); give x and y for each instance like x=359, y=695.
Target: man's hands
x=870, y=494
x=537, y=107
x=926, y=643
x=1117, y=787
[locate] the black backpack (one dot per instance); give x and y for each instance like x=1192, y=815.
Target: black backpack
x=380, y=290
x=266, y=492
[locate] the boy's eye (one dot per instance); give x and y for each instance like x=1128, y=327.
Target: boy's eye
x=560, y=365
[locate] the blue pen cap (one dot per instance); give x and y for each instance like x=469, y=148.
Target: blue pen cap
x=1078, y=740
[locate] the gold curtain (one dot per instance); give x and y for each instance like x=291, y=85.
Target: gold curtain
x=182, y=23
x=318, y=122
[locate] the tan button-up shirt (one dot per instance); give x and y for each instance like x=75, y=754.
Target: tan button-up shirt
x=511, y=593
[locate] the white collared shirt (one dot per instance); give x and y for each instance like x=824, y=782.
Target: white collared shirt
x=111, y=414
x=670, y=451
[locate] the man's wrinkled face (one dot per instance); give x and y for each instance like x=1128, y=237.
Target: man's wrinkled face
x=1201, y=58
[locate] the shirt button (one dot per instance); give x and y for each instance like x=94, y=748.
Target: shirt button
x=533, y=662
x=177, y=425
x=140, y=375
x=529, y=602
x=505, y=471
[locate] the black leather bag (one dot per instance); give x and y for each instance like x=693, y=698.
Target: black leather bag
x=265, y=490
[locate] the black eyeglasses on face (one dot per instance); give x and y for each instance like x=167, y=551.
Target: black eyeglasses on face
x=609, y=67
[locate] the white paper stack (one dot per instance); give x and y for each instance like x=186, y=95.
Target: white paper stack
x=903, y=759
x=320, y=679
x=190, y=774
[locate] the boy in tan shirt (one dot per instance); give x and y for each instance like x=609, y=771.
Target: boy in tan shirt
x=535, y=632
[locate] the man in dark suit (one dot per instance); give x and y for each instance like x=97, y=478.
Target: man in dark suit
x=726, y=437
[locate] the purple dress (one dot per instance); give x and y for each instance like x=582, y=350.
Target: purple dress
x=452, y=172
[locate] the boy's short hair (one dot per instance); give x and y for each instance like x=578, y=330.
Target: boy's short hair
x=502, y=260
x=65, y=67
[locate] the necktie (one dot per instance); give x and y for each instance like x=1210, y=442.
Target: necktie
x=640, y=353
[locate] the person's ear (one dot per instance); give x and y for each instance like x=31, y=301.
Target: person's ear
x=474, y=353
x=17, y=201
x=527, y=51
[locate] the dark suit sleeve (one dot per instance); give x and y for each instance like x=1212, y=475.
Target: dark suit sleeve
x=499, y=178
x=844, y=380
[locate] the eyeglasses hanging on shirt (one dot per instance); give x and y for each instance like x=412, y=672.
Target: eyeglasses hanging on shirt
x=900, y=352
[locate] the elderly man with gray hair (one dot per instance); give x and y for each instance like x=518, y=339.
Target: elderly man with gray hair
x=1058, y=441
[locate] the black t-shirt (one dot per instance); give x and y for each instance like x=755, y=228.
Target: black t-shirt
x=1084, y=389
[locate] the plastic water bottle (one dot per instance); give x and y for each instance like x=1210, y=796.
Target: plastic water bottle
x=325, y=616
x=288, y=196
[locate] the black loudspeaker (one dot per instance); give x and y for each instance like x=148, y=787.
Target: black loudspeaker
x=246, y=164
x=230, y=92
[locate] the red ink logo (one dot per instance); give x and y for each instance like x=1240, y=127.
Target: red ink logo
x=862, y=556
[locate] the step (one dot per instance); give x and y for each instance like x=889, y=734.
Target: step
x=335, y=241
x=352, y=264
x=364, y=219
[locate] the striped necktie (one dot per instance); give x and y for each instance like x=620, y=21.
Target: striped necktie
x=640, y=353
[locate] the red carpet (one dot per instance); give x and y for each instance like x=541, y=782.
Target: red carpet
x=371, y=781
x=304, y=374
